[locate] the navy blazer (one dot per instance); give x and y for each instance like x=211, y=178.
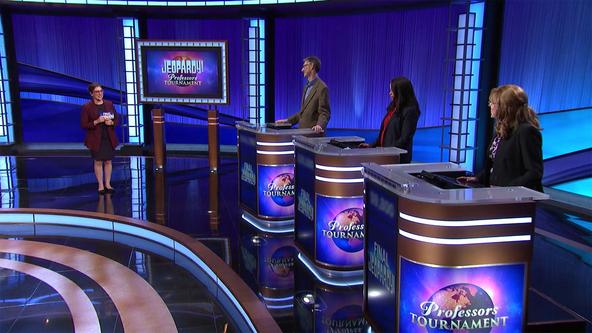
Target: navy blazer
x=518, y=161
x=88, y=115
x=400, y=130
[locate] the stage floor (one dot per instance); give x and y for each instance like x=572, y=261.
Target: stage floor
x=184, y=197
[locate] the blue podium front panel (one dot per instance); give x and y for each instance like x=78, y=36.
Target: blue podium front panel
x=380, y=267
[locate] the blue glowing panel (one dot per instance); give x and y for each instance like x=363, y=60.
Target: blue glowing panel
x=381, y=251
x=580, y=187
x=182, y=72
x=340, y=231
x=479, y=299
x=566, y=132
x=230, y=30
x=276, y=190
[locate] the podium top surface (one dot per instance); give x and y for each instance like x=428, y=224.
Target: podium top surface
x=400, y=179
x=272, y=129
x=333, y=146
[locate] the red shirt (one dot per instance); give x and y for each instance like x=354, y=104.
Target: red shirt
x=385, y=122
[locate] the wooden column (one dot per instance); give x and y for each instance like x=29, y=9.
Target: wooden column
x=213, y=210
x=213, y=142
x=159, y=144
x=160, y=196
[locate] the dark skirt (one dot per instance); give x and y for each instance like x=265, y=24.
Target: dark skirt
x=106, y=151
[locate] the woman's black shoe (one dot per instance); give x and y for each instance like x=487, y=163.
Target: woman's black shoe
x=101, y=192
x=110, y=190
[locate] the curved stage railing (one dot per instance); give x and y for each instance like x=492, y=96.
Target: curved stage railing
x=241, y=304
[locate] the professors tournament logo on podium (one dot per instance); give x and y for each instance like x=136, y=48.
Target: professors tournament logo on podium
x=461, y=307
x=276, y=190
x=340, y=230
x=479, y=299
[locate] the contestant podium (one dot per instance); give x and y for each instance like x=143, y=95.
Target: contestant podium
x=266, y=169
x=328, y=222
x=442, y=257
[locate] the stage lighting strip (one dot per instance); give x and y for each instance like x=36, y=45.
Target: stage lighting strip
x=209, y=3
x=261, y=226
x=465, y=241
x=340, y=180
x=332, y=168
x=465, y=223
x=340, y=282
x=275, y=144
x=265, y=152
x=112, y=226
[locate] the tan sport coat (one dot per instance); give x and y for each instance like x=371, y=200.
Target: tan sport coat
x=315, y=110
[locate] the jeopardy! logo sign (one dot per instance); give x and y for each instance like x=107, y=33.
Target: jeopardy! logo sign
x=182, y=71
x=247, y=174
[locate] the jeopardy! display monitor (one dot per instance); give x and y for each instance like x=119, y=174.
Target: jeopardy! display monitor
x=182, y=72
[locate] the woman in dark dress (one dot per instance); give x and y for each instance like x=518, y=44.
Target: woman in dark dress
x=400, y=121
x=99, y=118
x=515, y=156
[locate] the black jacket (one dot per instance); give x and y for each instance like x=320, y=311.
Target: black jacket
x=518, y=162
x=400, y=130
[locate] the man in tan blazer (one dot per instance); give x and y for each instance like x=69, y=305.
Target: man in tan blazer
x=315, y=111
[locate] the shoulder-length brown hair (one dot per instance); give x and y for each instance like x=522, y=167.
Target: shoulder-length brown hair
x=512, y=110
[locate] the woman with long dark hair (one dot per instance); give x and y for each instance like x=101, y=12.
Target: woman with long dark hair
x=515, y=156
x=400, y=121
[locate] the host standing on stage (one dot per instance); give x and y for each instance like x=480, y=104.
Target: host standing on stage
x=99, y=118
x=314, y=111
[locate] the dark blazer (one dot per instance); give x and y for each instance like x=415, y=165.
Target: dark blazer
x=400, y=130
x=93, y=133
x=518, y=161
x=315, y=109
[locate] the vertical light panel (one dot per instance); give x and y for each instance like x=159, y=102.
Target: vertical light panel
x=135, y=119
x=6, y=127
x=137, y=169
x=256, y=64
x=9, y=192
x=466, y=86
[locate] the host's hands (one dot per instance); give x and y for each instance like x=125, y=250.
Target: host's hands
x=317, y=129
x=109, y=122
x=282, y=121
x=99, y=120
x=364, y=145
x=467, y=179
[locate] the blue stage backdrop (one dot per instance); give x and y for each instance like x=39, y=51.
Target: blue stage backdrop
x=78, y=49
x=546, y=49
x=359, y=55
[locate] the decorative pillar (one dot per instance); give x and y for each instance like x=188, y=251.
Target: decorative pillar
x=158, y=132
